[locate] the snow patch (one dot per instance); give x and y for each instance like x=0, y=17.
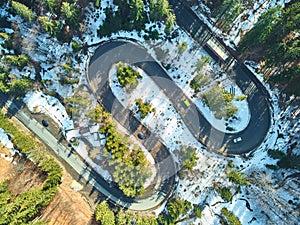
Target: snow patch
x=38, y=102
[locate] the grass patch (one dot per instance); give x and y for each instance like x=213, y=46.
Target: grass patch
x=80, y=99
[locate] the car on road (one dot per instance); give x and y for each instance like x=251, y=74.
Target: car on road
x=45, y=123
x=238, y=139
x=141, y=136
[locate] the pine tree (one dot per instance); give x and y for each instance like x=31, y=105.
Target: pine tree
x=19, y=87
x=137, y=9
x=71, y=14
x=51, y=5
x=104, y=215
x=23, y=11
x=52, y=27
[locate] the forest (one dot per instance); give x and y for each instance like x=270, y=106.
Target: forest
x=274, y=41
x=21, y=209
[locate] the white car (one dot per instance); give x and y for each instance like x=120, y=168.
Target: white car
x=238, y=139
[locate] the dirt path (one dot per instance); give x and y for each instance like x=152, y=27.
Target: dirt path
x=4, y=169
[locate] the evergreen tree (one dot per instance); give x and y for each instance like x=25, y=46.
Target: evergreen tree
x=52, y=27
x=23, y=11
x=71, y=14
x=19, y=87
x=137, y=9
x=51, y=5
x=104, y=215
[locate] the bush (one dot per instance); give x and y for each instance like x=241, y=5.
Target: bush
x=238, y=178
x=225, y=194
x=220, y=102
x=188, y=157
x=97, y=3
x=4, y=36
x=52, y=27
x=21, y=141
x=203, y=61
x=104, y=215
x=67, y=67
x=75, y=46
x=71, y=14
x=182, y=47
x=19, y=87
x=68, y=81
x=230, y=164
x=197, y=211
x=19, y=60
x=175, y=208
x=160, y=11
x=153, y=35
x=144, y=108
x=98, y=115
x=52, y=6
x=230, y=217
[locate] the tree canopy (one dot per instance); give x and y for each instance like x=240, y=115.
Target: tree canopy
x=275, y=37
x=107, y=217
x=21, y=209
x=129, y=166
x=23, y=11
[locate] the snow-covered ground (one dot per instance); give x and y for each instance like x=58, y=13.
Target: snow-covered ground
x=4, y=140
x=165, y=122
x=199, y=185
x=183, y=70
x=38, y=102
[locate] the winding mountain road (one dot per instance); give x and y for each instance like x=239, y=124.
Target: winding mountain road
x=112, y=52
x=109, y=53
